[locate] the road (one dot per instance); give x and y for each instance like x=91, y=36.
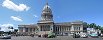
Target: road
x=57, y=38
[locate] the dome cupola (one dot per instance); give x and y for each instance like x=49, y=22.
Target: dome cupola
x=46, y=15
x=46, y=9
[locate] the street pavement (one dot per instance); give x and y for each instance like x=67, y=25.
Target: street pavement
x=57, y=38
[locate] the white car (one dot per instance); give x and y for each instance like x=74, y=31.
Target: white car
x=5, y=36
x=83, y=35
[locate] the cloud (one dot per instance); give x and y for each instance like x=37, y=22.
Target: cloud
x=10, y=5
x=4, y=27
x=16, y=18
x=35, y=16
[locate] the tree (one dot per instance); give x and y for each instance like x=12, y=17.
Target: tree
x=101, y=28
x=10, y=27
x=15, y=30
x=88, y=26
x=98, y=27
x=92, y=25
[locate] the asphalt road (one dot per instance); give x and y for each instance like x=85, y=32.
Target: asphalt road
x=57, y=38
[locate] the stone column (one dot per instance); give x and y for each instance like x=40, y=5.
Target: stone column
x=20, y=29
x=59, y=28
x=81, y=28
x=51, y=28
x=39, y=28
x=72, y=28
x=24, y=30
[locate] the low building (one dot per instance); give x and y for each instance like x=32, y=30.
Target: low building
x=92, y=30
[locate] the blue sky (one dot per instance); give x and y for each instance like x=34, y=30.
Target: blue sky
x=15, y=12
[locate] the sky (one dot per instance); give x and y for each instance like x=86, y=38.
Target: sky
x=15, y=12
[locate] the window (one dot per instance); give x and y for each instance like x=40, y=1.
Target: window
x=77, y=28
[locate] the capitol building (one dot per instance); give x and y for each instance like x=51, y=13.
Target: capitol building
x=46, y=25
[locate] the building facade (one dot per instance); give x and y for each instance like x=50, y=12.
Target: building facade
x=46, y=25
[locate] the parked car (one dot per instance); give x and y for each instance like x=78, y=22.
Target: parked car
x=32, y=35
x=5, y=36
x=45, y=35
x=76, y=35
x=83, y=35
x=51, y=35
x=94, y=35
x=39, y=35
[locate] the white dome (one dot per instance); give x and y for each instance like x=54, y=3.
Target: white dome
x=47, y=9
x=46, y=6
